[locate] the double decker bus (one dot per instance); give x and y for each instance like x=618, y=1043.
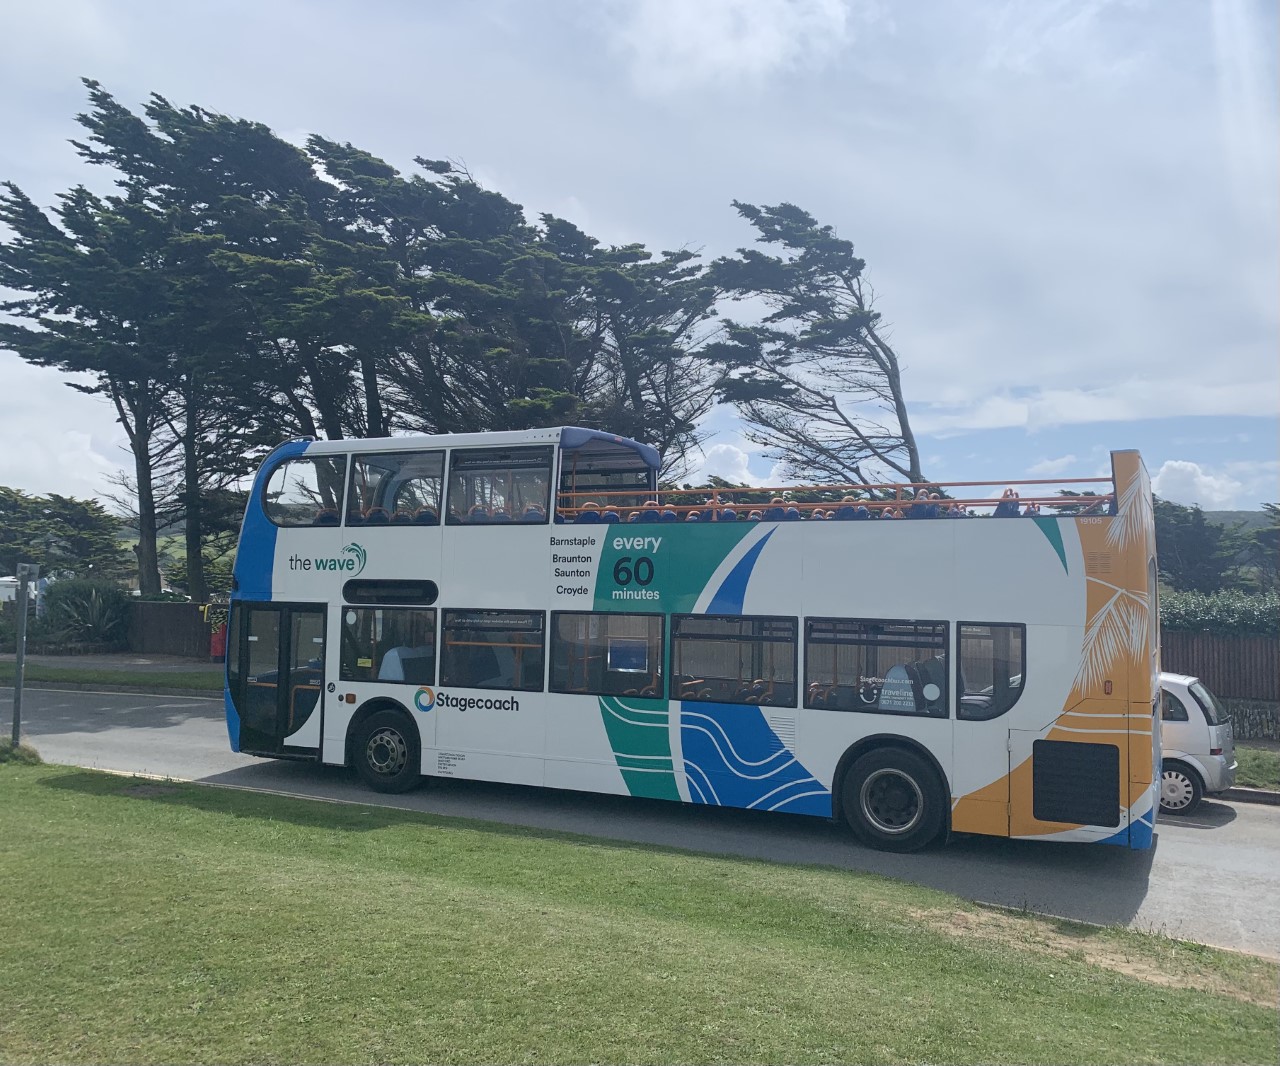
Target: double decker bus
x=528, y=607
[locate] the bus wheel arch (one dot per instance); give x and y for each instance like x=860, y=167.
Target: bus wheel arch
x=902, y=773
x=385, y=747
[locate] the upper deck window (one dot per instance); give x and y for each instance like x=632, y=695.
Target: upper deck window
x=499, y=485
x=306, y=491
x=395, y=488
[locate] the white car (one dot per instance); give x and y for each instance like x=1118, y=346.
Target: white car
x=1199, y=753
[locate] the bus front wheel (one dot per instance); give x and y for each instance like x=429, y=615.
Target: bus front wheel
x=387, y=753
x=892, y=800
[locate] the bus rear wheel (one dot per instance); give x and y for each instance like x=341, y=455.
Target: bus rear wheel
x=387, y=753
x=892, y=800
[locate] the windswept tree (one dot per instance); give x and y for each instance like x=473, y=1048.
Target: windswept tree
x=815, y=379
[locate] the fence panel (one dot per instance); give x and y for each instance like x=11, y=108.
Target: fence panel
x=1236, y=667
x=169, y=629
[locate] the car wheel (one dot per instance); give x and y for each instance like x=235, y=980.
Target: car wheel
x=387, y=752
x=893, y=800
x=1180, y=789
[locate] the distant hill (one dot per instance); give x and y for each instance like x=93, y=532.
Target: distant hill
x=1250, y=519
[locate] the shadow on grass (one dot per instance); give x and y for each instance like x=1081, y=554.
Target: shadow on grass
x=1091, y=883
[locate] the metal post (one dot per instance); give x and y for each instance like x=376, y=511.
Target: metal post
x=27, y=573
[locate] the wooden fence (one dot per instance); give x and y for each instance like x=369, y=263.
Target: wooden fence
x=1244, y=668
x=169, y=629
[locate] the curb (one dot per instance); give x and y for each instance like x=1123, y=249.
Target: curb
x=94, y=686
x=1252, y=795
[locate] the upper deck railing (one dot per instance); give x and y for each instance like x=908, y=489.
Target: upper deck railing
x=840, y=502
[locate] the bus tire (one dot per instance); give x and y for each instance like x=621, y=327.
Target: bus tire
x=387, y=752
x=893, y=800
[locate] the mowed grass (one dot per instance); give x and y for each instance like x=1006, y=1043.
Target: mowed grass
x=158, y=922
x=1258, y=767
x=196, y=681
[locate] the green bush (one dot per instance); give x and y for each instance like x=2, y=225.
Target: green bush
x=1221, y=612
x=86, y=611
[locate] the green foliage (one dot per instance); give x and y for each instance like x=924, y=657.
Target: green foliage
x=22, y=755
x=87, y=611
x=62, y=534
x=816, y=381
x=1221, y=612
x=1195, y=555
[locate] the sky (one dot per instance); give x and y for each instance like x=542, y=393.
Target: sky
x=1069, y=209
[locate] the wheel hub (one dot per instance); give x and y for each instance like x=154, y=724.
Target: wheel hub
x=892, y=801
x=387, y=752
x=1175, y=790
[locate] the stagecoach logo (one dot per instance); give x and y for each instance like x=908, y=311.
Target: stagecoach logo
x=426, y=698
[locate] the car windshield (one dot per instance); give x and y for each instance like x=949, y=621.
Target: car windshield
x=1213, y=710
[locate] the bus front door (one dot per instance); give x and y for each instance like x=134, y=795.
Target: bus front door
x=281, y=679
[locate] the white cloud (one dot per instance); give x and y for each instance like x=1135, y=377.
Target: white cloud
x=1053, y=466
x=673, y=45
x=729, y=462
x=1184, y=482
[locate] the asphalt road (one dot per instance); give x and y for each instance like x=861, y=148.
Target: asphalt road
x=1213, y=877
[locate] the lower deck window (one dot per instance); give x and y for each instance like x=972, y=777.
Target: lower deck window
x=875, y=665
x=493, y=649
x=391, y=644
x=993, y=662
x=734, y=659
x=607, y=654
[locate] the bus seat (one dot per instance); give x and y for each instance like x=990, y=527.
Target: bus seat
x=426, y=516
x=669, y=515
x=326, y=517
x=588, y=518
x=728, y=515
x=355, y=517
x=500, y=515
x=610, y=516
x=791, y=514
x=477, y=515
x=773, y=514
x=693, y=516
x=650, y=514
x=533, y=513
x=402, y=518
x=377, y=516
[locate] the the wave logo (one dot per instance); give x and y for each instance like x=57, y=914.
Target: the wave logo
x=425, y=698
x=358, y=556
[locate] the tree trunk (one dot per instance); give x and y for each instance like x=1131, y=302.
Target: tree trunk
x=193, y=501
x=148, y=559
x=372, y=401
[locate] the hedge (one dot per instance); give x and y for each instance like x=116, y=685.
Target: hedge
x=1221, y=612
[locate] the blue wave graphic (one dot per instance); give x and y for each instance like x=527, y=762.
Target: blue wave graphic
x=732, y=758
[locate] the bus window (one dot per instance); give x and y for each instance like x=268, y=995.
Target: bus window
x=874, y=665
x=993, y=660
x=305, y=491
x=606, y=654
x=391, y=644
x=734, y=659
x=395, y=488
x=499, y=485
x=493, y=649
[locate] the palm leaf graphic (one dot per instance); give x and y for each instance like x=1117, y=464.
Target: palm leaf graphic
x=1120, y=626
x=1135, y=517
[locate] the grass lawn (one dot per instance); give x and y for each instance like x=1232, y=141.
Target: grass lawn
x=194, y=680
x=157, y=922
x=1259, y=767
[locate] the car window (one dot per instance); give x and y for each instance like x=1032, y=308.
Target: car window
x=1213, y=712
x=1174, y=709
